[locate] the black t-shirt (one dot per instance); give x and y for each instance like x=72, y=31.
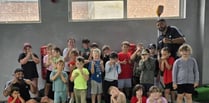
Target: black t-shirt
x=171, y=33
x=30, y=69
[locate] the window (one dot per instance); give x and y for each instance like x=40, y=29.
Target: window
x=91, y=10
x=19, y=11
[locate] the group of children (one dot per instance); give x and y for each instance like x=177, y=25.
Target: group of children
x=114, y=74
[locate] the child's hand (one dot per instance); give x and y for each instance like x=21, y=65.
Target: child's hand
x=101, y=63
x=195, y=85
x=175, y=86
x=159, y=100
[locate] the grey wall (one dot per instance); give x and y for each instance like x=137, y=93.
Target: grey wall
x=55, y=28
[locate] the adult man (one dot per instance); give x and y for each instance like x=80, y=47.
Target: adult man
x=25, y=85
x=171, y=37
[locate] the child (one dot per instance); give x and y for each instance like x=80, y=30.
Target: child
x=124, y=78
x=112, y=70
x=185, y=74
x=137, y=95
x=116, y=95
x=72, y=65
x=96, y=67
x=147, y=65
x=80, y=77
x=166, y=65
x=156, y=96
x=59, y=79
x=47, y=63
x=135, y=58
x=15, y=96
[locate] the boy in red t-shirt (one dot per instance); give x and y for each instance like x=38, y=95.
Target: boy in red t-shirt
x=124, y=78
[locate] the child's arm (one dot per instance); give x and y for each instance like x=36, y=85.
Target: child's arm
x=162, y=65
x=54, y=75
x=167, y=65
x=74, y=75
x=35, y=58
x=13, y=100
x=92, y=67
x=102, y=65
x=63, y=78
x=85, y=75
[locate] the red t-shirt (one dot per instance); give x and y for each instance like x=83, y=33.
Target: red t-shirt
x=126, y=69
x=134, y=99
x=71, y=63
x=167, y=75
x=11, y=98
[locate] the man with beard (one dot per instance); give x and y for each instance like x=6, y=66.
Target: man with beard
x=25, y=85
x=170, y=37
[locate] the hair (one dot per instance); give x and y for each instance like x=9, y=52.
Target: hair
x=136, y=88
x=152, y=46
x=50, y=46
x=153, y=89
x=97, y=51
x=18, y=70
x=80, y=59
x=60, y=61
x=71, y=39
x=85, y=41
x=105, y=47
x=185, y=47
x=125, y=43
x=14, y=89
x=74, y=52
x=113, y=55
x=94, y=45
x=111, y=88
x=166, y=49
x=58, y=50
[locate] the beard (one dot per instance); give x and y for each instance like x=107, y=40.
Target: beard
x=162, y=29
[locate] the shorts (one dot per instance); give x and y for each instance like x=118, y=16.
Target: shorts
x=60, y=97
x=48, y=77
x=30, y=73
x=124, y=83
x=169, y=86
x=185, y=88
x=71, y=86
x=96, y=87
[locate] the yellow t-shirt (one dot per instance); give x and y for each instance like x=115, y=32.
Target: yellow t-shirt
x=79, y=81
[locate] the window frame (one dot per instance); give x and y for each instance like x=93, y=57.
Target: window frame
x=25, y=22
x=182, y=12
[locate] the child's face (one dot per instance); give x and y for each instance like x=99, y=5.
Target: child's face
x=139, y=92
x=125, y=48
x=15, y=93
x=185, y=53
x=155, y=95
x=54, y=53
x=96, y=55
x=60, y=65
x=113, y=60
x=165, y=53
x=85, y=45
x=79, y=64
x=49, y=51
x=106, y=51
